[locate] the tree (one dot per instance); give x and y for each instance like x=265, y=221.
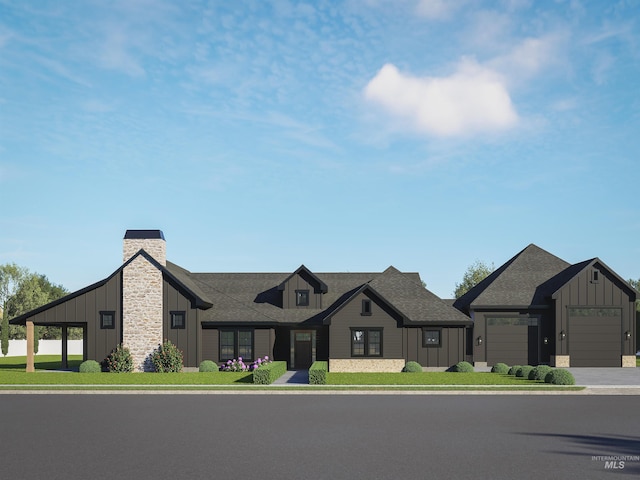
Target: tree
x=20, y=292
x=476, y=272
x=636, y=284
x=10, y=277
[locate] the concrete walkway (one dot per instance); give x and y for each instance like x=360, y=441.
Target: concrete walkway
x=294, y=377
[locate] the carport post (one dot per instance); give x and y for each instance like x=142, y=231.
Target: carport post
x=65, y=349
x=30, y=362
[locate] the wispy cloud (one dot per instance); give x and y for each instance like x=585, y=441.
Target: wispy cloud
x=471, y=100
x=438, y=9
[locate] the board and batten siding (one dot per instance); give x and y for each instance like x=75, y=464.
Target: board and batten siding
x=583, y=292
x=263, y=341
x=450, y=351
x=351, y=317
x=297, y=282
x=186, y=339
x=84, y=311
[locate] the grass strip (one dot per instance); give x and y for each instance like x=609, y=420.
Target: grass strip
x=427, y=378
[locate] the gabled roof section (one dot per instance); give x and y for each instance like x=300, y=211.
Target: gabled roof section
x=308, y=275
x=404, y=294
x=558, y=282
x=517, y=282
x=176, y=273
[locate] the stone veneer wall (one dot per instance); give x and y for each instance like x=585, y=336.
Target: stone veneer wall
x=142, y=301
x=560, y=361
x=628, y=361
x=366, y=365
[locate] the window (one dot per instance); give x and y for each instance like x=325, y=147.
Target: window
x=366, y=342
x=178, y=319
x=107, y=320
x=235, y=344
x=302, y=298
x=366, y=307
x=431, y=337
x=595, y=276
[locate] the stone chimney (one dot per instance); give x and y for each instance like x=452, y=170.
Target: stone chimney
x=142, y=295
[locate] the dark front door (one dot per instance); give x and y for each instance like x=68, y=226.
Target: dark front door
x=302, y=349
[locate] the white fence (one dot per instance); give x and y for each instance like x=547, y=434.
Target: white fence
x=18, y=348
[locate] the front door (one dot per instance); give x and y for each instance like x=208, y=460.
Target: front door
x=302, y=349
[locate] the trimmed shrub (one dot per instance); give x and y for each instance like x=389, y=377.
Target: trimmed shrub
x=167, y=358
x=463, y=367
x=514, y=370
x=500, y=368
x=208, y=366
x=412, y=367
x=539, y=372
x=90, y=366
x=119, y=360
x=523, y=372
x=269, y=373
x=560, y=376
x=318, y=373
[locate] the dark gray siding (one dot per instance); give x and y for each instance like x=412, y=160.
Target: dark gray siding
x=351, y=316
x=84, y=310
x=186, y=339
x=298, y=283
x=263, y=342
x=450, y=352
x=582, y=291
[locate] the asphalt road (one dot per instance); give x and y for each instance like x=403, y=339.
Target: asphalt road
x=160, y=436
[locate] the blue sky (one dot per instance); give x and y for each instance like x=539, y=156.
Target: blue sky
x=345, y=135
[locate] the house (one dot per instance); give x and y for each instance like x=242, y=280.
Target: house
x=536, y=308
x=356, y=321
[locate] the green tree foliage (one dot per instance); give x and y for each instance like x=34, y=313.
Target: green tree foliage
x=20, y=292
x=475, y=273
x=636, y=284
x=10, y=278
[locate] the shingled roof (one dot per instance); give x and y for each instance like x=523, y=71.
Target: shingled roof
x=517, y=282
x=255, y=297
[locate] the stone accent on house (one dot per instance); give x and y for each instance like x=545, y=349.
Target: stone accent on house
x=141, y=311
x=480, y=364
x=142, y=296
x=366, y=365
x=156, y=247
x=628, y=361
x=560, y=361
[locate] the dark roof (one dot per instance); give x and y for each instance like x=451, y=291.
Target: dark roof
x=143, y=234
x=517, y=282
x=174, y=272
x=309, y=276
x=256, y=297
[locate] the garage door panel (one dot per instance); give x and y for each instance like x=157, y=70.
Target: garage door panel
x=507, y=344
x=595, y=341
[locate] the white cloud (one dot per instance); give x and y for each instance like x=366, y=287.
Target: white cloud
x=437, y=9
x=472, y=100
x=529, y=57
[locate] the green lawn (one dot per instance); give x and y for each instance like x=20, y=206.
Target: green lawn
x=426, y=378
x=12, y=372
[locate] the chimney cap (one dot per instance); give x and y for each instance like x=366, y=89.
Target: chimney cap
x=143, y=234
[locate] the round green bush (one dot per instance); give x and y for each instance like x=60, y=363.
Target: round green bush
x=90, y=366
x=560, y=376
x=463, y=367
x=500, y=368
x=208, y=366
x=167, y=358
x=412, y=367
x=539, y=372
x=120, y=360
x=523, y=372
x=514, y=370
